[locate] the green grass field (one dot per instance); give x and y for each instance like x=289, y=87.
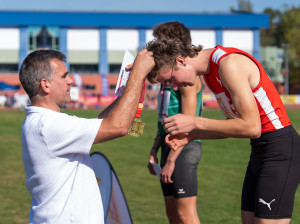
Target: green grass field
x=220, y=172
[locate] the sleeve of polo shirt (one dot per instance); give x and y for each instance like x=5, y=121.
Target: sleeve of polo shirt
x=66, y=134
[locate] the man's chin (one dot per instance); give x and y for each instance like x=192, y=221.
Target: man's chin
x=64, y=104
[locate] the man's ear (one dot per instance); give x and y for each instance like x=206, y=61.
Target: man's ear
x=45, y=84
x=181, y=60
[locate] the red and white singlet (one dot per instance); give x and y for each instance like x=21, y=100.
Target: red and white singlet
x=273, y=115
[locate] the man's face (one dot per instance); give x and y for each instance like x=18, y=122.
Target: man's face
x=181, y=77
x=61, y=83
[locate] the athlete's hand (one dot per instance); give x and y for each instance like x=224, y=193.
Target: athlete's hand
x=177, y=141
x=167, y=171
x=153, y=159
x=179, y=123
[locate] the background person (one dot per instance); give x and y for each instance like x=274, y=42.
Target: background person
x=56, y=146
x=181, y=195
x=254, y=109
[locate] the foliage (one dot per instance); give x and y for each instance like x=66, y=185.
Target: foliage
x=291, y=28
x=284, y=31
x=273, y=35
x=243, y=6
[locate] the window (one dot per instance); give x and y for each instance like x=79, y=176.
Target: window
x=8, y=68
x=114, y=68
x=83, y=68
x=43, y=38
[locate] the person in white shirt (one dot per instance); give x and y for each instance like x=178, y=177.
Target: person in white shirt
x=56, y=146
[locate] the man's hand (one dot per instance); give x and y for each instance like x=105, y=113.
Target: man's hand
x=179, y=123
x=143, y=63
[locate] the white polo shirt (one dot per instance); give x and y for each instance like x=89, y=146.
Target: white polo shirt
x=59, y=174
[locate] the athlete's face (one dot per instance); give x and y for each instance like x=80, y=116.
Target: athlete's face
x=180, y=75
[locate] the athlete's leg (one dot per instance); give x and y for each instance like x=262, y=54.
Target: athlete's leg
x=171, y=210
x=248, y=196
x=181, y=196
x=271, y=221
x=185, y=183
x=247, y=217
x=187, y=210
x=170, y=200
x=277, y=177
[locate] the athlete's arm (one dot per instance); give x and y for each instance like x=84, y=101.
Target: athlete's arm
x=153, y=153
x=188, y=106
x=238, y=74
x=167, y=170
x=189, y=98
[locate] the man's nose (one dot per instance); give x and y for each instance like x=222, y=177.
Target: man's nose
x=70, y=81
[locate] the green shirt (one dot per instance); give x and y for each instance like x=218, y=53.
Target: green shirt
x=169, y=104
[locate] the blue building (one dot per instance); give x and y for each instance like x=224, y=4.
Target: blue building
x=95, y=42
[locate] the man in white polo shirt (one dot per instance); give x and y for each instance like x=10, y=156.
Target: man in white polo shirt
x=56, y=146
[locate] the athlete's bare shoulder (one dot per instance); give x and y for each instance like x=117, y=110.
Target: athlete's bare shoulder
x=243, y=65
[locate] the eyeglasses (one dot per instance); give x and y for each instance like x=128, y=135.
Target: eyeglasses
x=169, y=81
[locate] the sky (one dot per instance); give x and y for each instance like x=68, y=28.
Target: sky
x=153, y=6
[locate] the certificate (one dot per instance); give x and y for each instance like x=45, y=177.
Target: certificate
x=124, y=75
x=156, y=168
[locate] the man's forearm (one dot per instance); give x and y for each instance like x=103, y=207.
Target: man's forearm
x=106, y=112
x=119, y=120
x=125, y=110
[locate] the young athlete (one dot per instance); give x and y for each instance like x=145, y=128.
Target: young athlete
x=181, y=195
x=249, y=100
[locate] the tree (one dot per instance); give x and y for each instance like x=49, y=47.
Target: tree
x=243, y=6
x=290, y=24
x=272, y=36
x=284, y=30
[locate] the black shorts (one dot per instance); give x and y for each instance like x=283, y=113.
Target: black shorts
x=185, y=173
x=273, y=174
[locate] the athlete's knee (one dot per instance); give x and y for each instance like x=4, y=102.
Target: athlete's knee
x=271, y=221
x=173, y=217
x=188, y=216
